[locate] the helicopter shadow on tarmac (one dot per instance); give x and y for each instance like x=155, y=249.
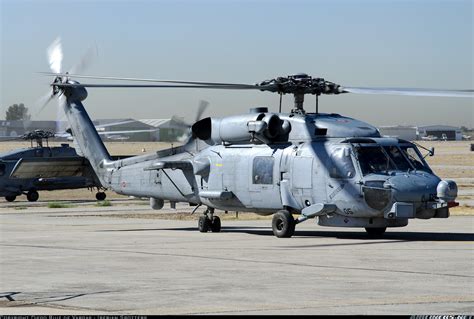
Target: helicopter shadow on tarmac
x=390, y=236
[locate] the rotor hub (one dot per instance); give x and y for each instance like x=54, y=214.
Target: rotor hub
x=299, y=84
x=56, y=88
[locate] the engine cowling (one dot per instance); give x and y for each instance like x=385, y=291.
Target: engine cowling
x=253, y=127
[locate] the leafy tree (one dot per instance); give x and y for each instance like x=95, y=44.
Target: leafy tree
x=17, y=112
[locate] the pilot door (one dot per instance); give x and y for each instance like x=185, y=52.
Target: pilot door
x=264, y=189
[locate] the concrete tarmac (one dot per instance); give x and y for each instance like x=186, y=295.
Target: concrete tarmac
x=89, y=261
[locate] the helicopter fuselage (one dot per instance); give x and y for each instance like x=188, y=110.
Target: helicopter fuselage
x=325, y=178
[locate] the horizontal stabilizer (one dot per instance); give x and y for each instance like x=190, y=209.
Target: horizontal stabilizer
x=182, y=165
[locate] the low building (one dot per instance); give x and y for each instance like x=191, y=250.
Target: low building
x=441, y=132
x=143, y=130
x=139, y=130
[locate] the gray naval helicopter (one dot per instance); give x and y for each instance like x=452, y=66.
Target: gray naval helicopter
x=328, y=167
x=41, y=167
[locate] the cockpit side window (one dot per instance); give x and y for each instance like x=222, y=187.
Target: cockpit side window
x=414, y=157
x=341, y=163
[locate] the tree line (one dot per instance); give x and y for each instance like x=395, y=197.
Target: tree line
x=17, y=112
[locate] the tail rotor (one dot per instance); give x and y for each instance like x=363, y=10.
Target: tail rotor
x=55, y=58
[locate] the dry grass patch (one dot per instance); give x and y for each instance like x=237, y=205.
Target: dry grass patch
x=462, y=211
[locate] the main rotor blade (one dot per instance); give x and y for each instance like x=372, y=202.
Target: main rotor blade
x=143, y=80
x=225, y=87
x=55, y=56
x=408, y=91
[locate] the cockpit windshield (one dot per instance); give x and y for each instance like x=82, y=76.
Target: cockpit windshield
x=376, y=159
x=373, y=160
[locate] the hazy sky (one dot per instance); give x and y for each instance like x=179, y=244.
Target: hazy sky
x=425, y=44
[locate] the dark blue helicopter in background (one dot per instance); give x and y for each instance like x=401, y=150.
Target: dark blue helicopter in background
x=37, y=168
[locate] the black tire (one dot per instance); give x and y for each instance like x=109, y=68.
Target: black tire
x=100, y=196
x=216, y=224
x=32, y=196
x=283, y=224
x=204, y=224
x=375, y=232
x=10, y=198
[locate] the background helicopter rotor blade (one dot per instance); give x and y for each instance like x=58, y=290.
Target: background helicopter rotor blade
x=408, y=91
x=179, y=123
x=201, y=109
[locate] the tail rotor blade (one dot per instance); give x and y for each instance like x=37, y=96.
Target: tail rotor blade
x=61, y=120
x=86, y=60
x=55, y=56
x=41, y=103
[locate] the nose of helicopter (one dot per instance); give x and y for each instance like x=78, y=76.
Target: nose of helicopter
x=413, y=187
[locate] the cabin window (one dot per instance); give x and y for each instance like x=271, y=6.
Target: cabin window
x=263, y=170
x=2, y=169
x=341, y=163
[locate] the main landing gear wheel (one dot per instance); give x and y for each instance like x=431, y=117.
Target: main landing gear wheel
x=100, y=196
x=32, y=196
x=283, y=224
x=209, y=223
x=10, y=198
x=216, y=224
x=204, y=224
x=375, y=232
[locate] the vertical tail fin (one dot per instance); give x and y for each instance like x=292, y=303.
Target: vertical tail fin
x=84, y=131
